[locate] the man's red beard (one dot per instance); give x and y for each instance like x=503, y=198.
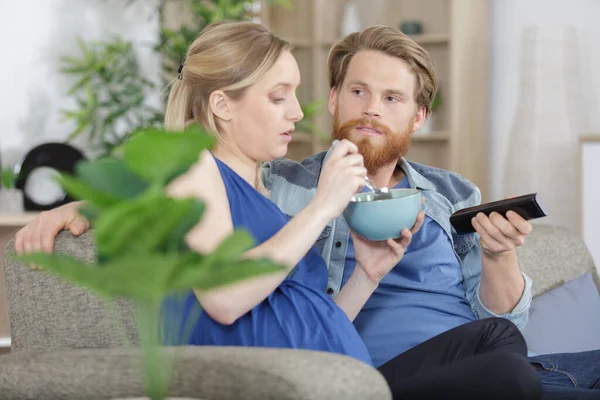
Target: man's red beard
x=376, y=155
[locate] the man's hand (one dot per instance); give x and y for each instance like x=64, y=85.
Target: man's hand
x=500, y=236
x=376, y=259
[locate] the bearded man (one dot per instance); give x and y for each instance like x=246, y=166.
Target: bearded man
x=382, y=85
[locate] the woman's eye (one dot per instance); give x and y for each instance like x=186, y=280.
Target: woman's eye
x=278, y=100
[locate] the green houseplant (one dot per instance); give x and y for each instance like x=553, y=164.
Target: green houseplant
x=109, y=88
x=139, y=232
x=111, y=93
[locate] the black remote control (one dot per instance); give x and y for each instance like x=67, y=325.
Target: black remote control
x=528, y=206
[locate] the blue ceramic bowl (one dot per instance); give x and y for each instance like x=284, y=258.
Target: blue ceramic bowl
x=383, y=219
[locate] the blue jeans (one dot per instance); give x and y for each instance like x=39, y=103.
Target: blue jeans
x=569, y=375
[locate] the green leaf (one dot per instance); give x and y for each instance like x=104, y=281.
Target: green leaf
x=281, y=3
x=234, y=246
x=175, y=241
x=139, y=276
x=82, y=126
x=311, y=109
x=82, y=191
x=8, y=178
x=228, y=272
x=195, y=271
x=142, y=225
x=111, y=176
x=156, y=156
x=89, y=212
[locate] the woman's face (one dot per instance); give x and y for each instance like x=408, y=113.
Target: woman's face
x=261, y=123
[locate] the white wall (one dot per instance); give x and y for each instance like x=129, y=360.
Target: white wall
x=34, y=34
x=547, y=111
x=590, y=157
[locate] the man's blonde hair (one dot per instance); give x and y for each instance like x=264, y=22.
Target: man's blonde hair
x=392, y=42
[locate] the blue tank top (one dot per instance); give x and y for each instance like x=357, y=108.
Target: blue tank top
x=297, y=314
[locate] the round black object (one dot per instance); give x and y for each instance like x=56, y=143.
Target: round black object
x=48, y=157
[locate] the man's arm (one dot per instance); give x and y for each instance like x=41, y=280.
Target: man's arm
x=485, y=284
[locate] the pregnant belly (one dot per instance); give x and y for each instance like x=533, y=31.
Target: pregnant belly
x=293, y=316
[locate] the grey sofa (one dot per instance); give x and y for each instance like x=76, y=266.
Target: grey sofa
x=67, y=344
x=73, y=344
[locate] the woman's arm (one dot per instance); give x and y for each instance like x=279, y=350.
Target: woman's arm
x=287, y=247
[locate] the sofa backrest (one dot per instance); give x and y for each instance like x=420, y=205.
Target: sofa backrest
x=47, y=313
x=552, y=256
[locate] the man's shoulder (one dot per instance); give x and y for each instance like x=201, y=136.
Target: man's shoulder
x=304, y=174
x=455, y=187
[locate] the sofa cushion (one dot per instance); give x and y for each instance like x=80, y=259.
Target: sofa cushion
x=202, y=372
x=566, y=319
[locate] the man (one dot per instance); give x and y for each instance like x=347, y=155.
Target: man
x=382, y=84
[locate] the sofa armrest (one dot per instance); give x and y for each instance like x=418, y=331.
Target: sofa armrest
x=201, y=372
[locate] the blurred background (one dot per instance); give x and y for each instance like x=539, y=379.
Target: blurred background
x=517, y=110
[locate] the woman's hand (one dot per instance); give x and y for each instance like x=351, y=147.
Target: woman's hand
x=343, y=175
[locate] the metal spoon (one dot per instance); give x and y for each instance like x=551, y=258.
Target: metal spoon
x=379, y=193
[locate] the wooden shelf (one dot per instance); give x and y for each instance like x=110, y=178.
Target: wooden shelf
x=431, y=38
x=430, y=137
x=299, y=42
x=16, y=220
x=590, y=138
x=428, y=38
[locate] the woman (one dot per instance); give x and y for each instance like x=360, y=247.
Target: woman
x=239, y=81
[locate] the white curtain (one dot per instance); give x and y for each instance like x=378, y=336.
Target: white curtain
x=551, y=113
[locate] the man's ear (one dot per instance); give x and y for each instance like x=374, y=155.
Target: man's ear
x=332, y=105
x=220, y=105
x=420, y=116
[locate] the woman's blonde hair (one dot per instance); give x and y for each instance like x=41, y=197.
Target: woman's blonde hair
x=228, y=56
x=394, y=43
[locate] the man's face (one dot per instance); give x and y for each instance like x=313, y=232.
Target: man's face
x=375, y=108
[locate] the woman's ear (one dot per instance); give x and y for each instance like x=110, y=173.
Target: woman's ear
x=220, y=105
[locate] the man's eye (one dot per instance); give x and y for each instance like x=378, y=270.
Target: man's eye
x=358, y=92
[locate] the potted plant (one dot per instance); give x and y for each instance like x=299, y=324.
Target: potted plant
x=140, y=231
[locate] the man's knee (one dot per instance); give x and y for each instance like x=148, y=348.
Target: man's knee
x=505, y=329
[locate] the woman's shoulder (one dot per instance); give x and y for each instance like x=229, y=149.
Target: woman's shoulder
x=202, y=181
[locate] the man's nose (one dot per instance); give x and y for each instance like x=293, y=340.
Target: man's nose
x=371, y=110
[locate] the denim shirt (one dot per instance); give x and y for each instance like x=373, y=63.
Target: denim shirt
x=293, y=185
